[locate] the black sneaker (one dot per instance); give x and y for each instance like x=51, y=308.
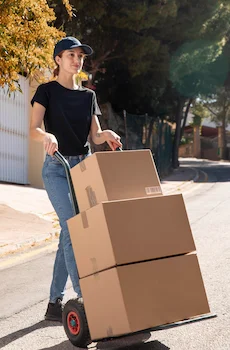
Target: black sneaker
x=54, y=311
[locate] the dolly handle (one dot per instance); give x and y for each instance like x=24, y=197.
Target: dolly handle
x=66, y=165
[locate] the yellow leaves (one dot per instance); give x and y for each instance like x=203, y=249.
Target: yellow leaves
x=68, y=7
x=27, y=38
x=81, y=76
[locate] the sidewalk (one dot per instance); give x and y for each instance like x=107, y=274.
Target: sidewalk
x=27, y=218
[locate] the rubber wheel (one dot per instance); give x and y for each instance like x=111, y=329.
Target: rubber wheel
x=75, y=323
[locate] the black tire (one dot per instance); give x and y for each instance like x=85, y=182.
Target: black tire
x=75, y=323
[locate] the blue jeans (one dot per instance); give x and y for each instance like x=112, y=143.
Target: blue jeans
x=55, y=181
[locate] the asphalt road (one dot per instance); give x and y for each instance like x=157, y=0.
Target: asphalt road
x=25, y=281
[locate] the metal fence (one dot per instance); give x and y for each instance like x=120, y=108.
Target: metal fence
x=144, y=131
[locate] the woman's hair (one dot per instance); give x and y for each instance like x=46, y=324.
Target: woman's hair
x=56, y=70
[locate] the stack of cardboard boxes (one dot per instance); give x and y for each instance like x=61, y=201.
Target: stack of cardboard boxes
x=133, y=247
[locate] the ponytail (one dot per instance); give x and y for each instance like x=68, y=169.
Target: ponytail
x=56, y=72
x=57, y=69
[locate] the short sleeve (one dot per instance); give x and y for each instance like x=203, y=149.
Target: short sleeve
x=95, y=108
x=40, y=96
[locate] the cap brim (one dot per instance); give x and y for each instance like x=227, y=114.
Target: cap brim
x=86, y=48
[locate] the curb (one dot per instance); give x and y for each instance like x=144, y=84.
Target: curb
x=181, y=187
x=10, y=249
x=183, y=184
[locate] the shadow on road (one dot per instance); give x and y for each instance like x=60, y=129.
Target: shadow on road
x=132, y=342
x=210, y=172
x=9, y=338
x=152, y=345
x=110, y=345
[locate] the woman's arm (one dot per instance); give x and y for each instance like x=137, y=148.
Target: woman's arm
x=37, y=134
x=100, y=136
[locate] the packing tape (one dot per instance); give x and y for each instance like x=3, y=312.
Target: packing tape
x=96, y=276
x=82, y=165
x=109, y=331
x=94, y=266
x=84, y=219
x=91, y=196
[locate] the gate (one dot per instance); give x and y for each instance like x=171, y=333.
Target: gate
x=14, y=125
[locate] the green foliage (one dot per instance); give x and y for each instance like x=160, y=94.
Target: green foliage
x=218, y=105
x=198, y=67
x=153, y=56
x=200, y=111
x=150, y=56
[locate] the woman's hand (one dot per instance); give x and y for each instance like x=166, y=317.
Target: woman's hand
x=50, y=143
x=113, y=140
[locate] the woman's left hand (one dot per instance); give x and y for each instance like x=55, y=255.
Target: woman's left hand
x=113, y=140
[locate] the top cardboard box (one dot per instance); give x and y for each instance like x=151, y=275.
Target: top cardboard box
x=107, y=176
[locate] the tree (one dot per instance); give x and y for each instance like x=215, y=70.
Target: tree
x=199, y=112
x=152, y=56
x=197, y=63
x=219, y=109
x=26, y=39
x=125, y=48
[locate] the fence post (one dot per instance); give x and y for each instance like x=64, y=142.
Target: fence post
x=126, y=131
x=159, y=146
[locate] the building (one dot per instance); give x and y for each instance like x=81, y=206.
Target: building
x=203, y=141
x=21, y=158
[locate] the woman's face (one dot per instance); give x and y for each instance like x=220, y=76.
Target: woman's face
x=71, y=61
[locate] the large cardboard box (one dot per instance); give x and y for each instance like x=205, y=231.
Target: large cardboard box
x=139, y=296
x=107, y=176
x=121, y=232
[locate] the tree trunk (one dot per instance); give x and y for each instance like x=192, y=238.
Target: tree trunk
x=225, y=156
x=185, y=117
x=176, y=141
x=150, y=132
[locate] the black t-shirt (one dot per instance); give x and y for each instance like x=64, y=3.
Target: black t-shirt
x=68, y=115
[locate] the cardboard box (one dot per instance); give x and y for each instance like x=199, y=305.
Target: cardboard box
x=135, y=297
x=122, y=232
x=107, y=176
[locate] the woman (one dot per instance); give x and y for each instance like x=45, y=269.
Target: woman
x=70, y=115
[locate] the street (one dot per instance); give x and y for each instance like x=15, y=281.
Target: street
x=25, y=281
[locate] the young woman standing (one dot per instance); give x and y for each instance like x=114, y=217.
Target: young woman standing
x=70, y=115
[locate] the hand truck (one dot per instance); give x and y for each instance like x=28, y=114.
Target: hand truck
x=74, y=318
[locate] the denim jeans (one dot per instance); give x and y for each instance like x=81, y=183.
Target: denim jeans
x=55, y=181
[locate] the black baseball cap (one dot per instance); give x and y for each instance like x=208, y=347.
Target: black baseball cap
x=68, y=43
